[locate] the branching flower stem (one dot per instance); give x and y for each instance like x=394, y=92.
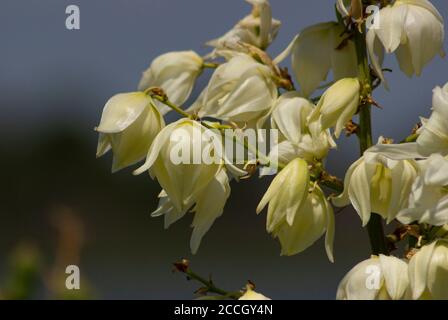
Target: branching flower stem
x=208, y=285
x=210, y=65
x=168, y=103
x=375, y=225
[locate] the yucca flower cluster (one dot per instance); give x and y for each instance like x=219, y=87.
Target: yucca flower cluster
x=404, y=183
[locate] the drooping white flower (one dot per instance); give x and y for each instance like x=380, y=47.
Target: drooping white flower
x=208, y=206
x=297, y=214
x=378, y=278
x=174, y=72
x=297, y=139
x=413, y=29
x=428, y=271
x=428, y=201
x=258, y=28
x=250, y=294
x=375, y=183
x=286, y=194
x=128, y=126
x=337, y=105
x=176, y=160
x=313, y=219
x=316, y=51
x=240, y=90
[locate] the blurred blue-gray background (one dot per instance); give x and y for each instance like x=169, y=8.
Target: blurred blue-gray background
x=53, y=85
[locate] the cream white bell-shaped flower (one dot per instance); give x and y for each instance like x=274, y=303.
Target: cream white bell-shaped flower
x=128, y=126
x=314, y=218
x=258, y=28
x=207, y=205
x=286, y=194
x=240, y=90
x=428, y=201
x=428, y=271
x=375, y=183
x=184, y=157
x=316, y=51
x=298, y=215
x=251, y=294
x=413, y=29
x=290, y=116
x=176, y=73
x=337, y=105
x=433, y=136
x=297, y=138
x=378, y=278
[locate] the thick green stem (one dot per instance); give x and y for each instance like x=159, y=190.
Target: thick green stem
x=376, y=235
x=365, y=128
x=375, y=225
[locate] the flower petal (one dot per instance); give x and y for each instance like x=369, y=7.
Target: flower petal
x=403, y=151
x=209, y=206
x=395, y=273
x=359, y=193
x=343, y=199
x=418, y=270
x=392, y=24
x=329, y=236
x=121, y=111
x=103, y=145
x=310, y=59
